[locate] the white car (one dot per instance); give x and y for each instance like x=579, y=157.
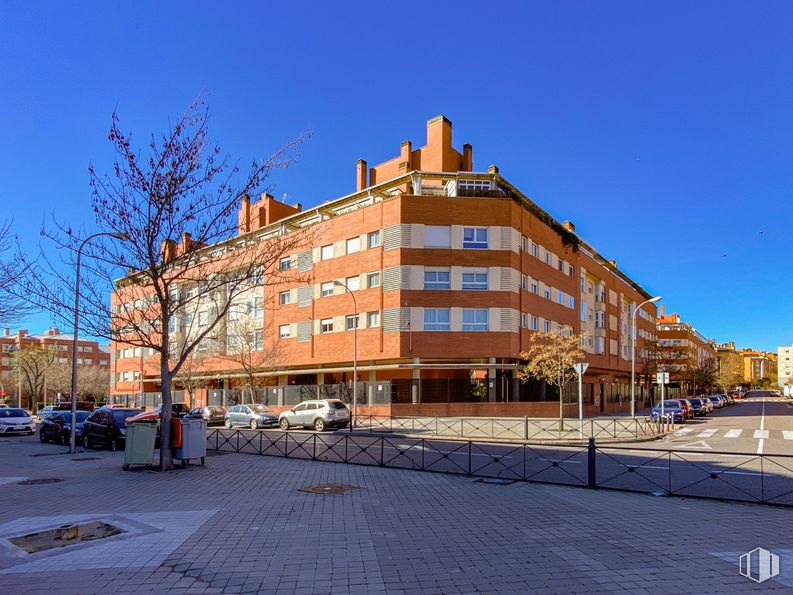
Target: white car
x=321, y=414
x=16, y=421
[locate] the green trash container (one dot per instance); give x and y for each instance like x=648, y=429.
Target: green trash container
x=139, y=449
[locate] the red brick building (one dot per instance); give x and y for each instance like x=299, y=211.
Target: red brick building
x=451, y=269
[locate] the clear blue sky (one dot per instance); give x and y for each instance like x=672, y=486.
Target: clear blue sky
x=664, y=130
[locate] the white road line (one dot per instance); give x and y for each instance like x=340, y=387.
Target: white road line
x=760, y=447
x=761, y=433
x=762, y=416
x=787, y=434
x=682, y=431
x=706, y=433
x=733, y=433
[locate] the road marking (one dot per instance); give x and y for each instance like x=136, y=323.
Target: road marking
x=697, y=444
x=706, y=433
x=762, y=417
x=761, y=433
x=787, y=434
x=733, y=433
x=682, y=431
x=760, y=446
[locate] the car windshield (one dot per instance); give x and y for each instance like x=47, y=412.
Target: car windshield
x=4, y=412
x=669, y=405
x=119, y=415
x=336, y=405
x=261, y=409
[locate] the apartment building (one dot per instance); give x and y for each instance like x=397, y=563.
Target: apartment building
x=692, y=348
x=441, y=274
x=784, y=365
x=730, y=362
x=89, y=353
x=759, y=366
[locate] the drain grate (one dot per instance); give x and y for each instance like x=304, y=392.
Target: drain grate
x=327, y=488
x=39, y=482
x=64, y=536
x=495, y=481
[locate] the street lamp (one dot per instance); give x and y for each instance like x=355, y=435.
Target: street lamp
x=354, y=353
x=633, y=351
x=118, y=236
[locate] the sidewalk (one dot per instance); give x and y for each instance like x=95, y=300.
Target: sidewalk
x=241, y=525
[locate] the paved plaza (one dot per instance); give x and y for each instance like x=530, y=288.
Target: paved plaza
x=240, y=524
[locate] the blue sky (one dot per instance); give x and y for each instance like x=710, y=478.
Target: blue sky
x=664, y=130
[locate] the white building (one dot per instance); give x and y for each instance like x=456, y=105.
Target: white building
x=785, y=365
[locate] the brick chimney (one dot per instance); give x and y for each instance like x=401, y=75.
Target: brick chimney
x=360, y=175
x=468, y=157
x=405, y=156
x=244, y=216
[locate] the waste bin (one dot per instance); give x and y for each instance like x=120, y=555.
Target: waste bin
x=139, y=447
x=194, y=440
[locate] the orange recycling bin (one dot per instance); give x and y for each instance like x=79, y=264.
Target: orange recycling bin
x=176, y=432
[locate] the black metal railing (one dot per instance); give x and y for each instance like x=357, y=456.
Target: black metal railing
x=746, y=477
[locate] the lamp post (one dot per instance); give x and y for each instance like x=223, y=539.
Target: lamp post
x=633, y=351
x=73, y=427
x=354, y=354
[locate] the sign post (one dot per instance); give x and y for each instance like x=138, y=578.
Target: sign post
x=662, y=378
x=580, y=368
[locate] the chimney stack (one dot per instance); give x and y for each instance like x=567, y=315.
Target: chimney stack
x=468, y=157
x=360, y=175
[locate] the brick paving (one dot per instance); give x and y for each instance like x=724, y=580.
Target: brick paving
x=240, y=525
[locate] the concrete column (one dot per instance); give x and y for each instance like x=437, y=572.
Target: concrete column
x=415, y=392
x=515, y=389
x=491, y=381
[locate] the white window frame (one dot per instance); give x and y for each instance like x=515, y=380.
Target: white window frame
x=326, y=252
x=326, y=325
x=434, y=325
x=373, y=319
x=437, y=236
x=353, y=245
x=477, y=280
x=436, y=284
x=284, y=331
x=480, y=239
x=476, y=325
x=373, y=279
x=284, y=298
x=373, y=239
x=353, y=283
x=326, y=288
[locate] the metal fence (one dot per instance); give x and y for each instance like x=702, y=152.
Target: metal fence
x=369, y=393
x=525, y=428
x=745, y=477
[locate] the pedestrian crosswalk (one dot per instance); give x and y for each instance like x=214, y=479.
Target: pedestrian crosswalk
x=734, y=433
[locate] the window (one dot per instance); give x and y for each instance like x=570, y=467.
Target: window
x=560, y=265
x=535, y=288
x=548, y=258
x=233, y=343
x=571, y=302
x=475, y=238
x=476, y=281
x=436, y=319
x=353, y=283
x=373, y=279
x=524, y=321
x=570, y=270
x=534, y=323
x=535, y=250
x=257, y=340
x=257, y=280
x=351, y=322
x=437, y=236
x=172, y=323
x=583, y=311
x=326, y=325
x=475, y=319
x=284, y=331
x=203, y=318
x=560, y=297
x=524, y=282
x=327, y=288
x=437, y=280
x=546, y=326
x=524, y=243
x=373, y=319
x=353, y=245
x=284, y=298
x=327, y=252
x=373, y=239
x=547, y=294
x=258, y=307
x=285, y=264
x=234, y=312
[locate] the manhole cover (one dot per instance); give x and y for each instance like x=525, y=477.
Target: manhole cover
x=88, y=459
x=328, y=488
x=65, y=535
x=495, y=481
x=38, y=482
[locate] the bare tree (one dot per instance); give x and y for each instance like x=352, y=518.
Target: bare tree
x=550, y=357
x=12, y=306
x=247, y=353
x=190, y=376
x=169, y=213
x=32, y=362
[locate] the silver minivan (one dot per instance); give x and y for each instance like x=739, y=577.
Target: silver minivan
x=321, y=414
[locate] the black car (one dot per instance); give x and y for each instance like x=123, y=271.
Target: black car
x=56, y=426
x=213, y=415
x=107, y=427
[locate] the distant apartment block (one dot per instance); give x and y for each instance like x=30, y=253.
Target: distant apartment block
x=673, y=332
x=452, y=271
x=758, y=366
x=784, y=365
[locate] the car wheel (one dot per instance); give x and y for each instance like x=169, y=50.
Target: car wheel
x=254, y=424
x=86, y=441
x=114, y=444
x=284, y=424
x=319, y=425
x=227, y=423
x=42, y=437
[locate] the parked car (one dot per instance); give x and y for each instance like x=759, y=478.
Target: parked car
x=56, y=427
x=736, y=394
x=325, y=413
x=688, y=407
x=16, y=421
x=107, y=427
x=67, y=405
x=729, y=399
x=177, y=410
x=707, y=402
x=213, y=415
x=700, y=408
x=717, y=401
x=253, y=415
x=671, y=408
x=44, y=411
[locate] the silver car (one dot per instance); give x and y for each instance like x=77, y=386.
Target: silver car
x=254, y=416
x=321, y=414
x=16, y=421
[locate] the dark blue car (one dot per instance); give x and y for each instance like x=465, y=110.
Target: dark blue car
x=56, y=426
x=671, y=408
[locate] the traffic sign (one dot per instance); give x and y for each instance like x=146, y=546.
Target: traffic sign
x=662, y=378
x=580, y=368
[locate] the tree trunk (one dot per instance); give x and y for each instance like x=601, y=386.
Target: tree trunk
x=166, y=457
